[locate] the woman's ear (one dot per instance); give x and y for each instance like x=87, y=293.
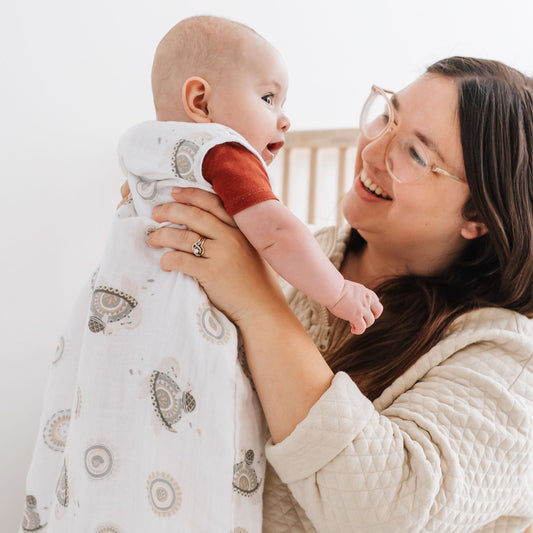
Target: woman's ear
x=195, y=96
x=473, y=230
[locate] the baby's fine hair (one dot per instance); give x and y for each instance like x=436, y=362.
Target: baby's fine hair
x=204, y=46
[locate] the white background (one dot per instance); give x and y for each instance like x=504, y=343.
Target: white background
x=75, y=74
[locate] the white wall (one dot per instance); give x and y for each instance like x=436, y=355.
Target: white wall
x=76, y=74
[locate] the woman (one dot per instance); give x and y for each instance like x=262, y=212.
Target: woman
x=425, y=422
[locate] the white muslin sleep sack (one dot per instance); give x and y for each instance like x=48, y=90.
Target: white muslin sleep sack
x=150, y=423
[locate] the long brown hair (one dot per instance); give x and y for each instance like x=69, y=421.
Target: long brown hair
x=496, y=270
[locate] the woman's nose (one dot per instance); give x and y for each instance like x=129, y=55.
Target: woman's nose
x=374, y=151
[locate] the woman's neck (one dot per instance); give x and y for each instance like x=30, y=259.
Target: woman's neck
x=367, y=266
x=372, y=264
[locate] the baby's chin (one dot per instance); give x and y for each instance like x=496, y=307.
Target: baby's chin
x=271, y=151
x=267, y=157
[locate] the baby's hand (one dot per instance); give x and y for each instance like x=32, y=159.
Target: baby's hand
x=357, y=304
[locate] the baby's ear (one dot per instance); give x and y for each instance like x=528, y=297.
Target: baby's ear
x=195, y=95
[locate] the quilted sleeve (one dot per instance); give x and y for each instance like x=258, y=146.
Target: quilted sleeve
x=452, y=453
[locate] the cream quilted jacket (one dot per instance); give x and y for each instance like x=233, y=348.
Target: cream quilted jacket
x=447, y=447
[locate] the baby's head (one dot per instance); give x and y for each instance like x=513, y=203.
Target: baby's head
x=210, y=69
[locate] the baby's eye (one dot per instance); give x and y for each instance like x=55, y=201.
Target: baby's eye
x=268, y=98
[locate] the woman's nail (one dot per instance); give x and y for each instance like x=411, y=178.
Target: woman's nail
x=176, y=190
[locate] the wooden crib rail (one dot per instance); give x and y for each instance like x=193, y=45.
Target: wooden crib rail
x=313, y=141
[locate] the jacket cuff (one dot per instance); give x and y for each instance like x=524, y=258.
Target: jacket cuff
x=330, y=426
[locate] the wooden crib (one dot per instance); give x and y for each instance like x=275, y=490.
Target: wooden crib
x=314, y=171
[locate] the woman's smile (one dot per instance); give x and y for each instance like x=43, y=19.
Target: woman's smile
x=369, y=191
x=372, y=187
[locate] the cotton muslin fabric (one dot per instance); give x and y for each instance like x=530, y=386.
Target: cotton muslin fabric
x=150, y=423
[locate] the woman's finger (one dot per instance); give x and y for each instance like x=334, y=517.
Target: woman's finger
x=125, y=193
x=195, y=218
x=175, y=238
x=125, y=190
x=183, y=262
x=204, y=200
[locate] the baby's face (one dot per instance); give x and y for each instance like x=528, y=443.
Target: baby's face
x=251, y=96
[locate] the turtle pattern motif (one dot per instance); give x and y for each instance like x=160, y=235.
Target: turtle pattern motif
x=56, y=430
x=245, y=480
x=109, y=305
x=183, y=159
x=31, y=520
x=164, y=494
x=168, y=400
x=62, y=488
x=99, y=461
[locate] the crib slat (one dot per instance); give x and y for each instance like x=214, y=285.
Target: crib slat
x=286, y=175
x=311, y=142
x=341, y=181
x=321, y=138
x=311, y=210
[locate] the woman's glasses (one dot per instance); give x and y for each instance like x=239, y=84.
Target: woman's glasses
x=406, y=155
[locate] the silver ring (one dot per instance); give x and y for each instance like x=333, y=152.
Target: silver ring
x=198, y=247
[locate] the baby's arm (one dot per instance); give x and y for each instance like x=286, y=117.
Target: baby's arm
x=241, y=181
x=290, y=248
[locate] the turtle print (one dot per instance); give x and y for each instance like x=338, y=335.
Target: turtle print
x=147, y=189
x=211, y=325
x=31, y=520
x=169, y=401
x=245, y=480
x=99, y=461
x=183, y=159
x=56, y=430
x=164, y=494
x=109, y=305
x=62, y=489
x=107, y=528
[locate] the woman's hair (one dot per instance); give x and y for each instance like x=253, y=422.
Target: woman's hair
x=495, y=113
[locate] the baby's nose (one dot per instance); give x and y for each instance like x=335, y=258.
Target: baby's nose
x=284, y=123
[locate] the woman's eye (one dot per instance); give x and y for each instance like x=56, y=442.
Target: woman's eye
x=417, y=159
x=268, y=98
x=383, y=119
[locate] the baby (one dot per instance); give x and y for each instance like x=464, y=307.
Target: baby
x=209, y=72
x=149, y=421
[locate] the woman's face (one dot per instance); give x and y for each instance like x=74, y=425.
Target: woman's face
x=417, y=226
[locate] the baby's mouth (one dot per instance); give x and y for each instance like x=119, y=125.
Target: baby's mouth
x=372, y=188
x=274, y=148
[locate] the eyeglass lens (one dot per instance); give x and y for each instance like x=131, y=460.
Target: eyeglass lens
x=375, y=115
x=407, y=159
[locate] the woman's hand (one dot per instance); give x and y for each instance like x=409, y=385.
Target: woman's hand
x=125, y=193
x=289, y=372
x=231, y=272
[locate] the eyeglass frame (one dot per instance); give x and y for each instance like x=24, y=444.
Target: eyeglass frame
x=394, y=124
